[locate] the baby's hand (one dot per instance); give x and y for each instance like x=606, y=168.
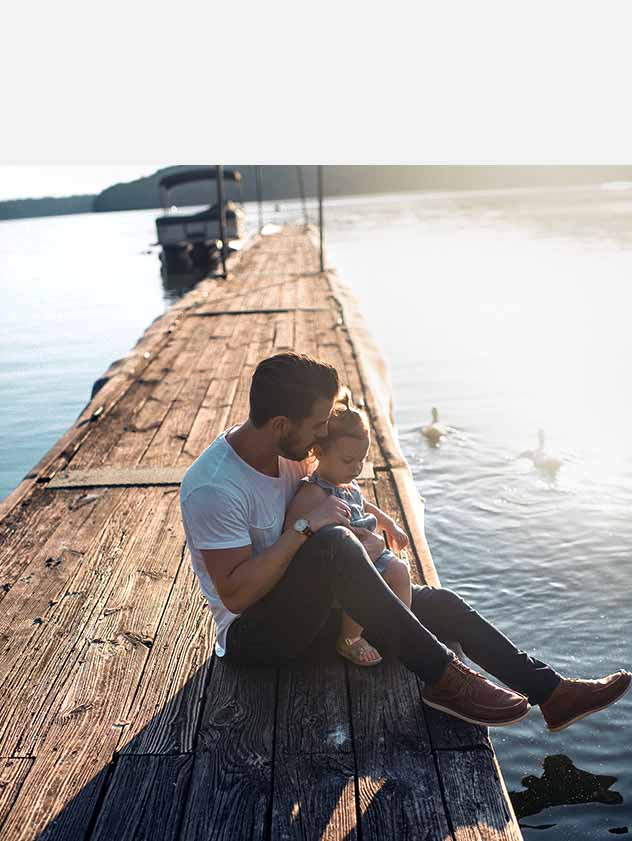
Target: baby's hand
x=398, y=538
x=372, y=542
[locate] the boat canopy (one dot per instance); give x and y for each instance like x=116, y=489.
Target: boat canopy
x=199, y=173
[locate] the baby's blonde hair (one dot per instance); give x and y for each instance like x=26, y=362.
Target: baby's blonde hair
x=346, y=420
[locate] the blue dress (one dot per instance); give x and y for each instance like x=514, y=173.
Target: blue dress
x=352, y=496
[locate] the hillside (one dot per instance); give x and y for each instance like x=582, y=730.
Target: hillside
x=281, y=182
x=49, y=206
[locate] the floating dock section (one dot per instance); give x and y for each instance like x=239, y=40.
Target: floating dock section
x=116, y=719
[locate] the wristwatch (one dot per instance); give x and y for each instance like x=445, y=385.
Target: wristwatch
x=302, y=526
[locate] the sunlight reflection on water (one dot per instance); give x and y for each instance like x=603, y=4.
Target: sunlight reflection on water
x=511, y=313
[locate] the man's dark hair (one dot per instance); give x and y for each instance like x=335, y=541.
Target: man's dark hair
x=289, y=384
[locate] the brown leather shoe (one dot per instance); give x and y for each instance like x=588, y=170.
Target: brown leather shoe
x=573, y=699
x=467, y=695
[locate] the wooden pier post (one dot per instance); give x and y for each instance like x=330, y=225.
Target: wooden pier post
x=259, y=195
x=320, y=217
x=222, y=216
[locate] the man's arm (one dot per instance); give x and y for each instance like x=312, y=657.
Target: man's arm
x=305, y=500
x=240, y=582
x=309, y=496
x=241, y=579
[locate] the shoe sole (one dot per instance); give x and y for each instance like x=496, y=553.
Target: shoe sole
x=588, y=712
x=355, y=662
x=454, y=714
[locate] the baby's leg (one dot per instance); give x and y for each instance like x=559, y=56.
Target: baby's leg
x=349, y=643
x=349, y=628
x=397, y=576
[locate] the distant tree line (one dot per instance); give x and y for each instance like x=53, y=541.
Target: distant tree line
x=282, y=182
x=50, y=206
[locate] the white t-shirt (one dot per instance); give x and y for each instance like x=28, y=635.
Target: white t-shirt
x=226, y=504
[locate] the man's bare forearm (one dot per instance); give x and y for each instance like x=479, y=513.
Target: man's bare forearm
x=255, y=577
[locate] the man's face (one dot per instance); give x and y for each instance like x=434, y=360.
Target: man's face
x=302, y=436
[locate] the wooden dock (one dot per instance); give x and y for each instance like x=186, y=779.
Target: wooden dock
x=116, y=719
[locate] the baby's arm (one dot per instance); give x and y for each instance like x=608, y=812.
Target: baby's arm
x=397, y=536
x=383, y=520
x=310, y=496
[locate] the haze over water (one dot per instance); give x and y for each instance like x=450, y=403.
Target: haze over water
x=509, y=312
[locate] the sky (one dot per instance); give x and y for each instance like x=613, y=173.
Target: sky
x=21, y=181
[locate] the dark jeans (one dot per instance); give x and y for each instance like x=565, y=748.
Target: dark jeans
x=333, y=564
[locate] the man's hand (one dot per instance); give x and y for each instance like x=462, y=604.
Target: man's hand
x=332, y=511
x=373, y=543
x=398, y=537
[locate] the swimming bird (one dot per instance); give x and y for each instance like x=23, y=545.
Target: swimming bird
x=546, y=462
x=434, y=431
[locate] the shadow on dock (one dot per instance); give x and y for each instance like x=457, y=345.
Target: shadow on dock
x=222, y=760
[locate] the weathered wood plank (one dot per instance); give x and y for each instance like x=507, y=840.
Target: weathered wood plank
x=47, y=590
x=398, y=784
x=111, y=477
x=43, y=528
x=75, y=731
x=168, y=443
x=56, y=800
x=260, y=345
x=144, y=799
x=210, y=418
x=231, y=782
x=90, y=653
x=305, y=333
x=475, y=798
x=212, y=415
x=128, y=411
x=143, y=425
x=164, y=714
x=284, y=332
x=12, y=774
x=314, y=768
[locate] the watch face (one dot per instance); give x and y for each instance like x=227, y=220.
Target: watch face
x=301, y=525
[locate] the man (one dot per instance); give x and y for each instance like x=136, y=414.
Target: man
x=271, y=590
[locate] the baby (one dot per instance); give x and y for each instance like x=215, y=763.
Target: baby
x=341, y=456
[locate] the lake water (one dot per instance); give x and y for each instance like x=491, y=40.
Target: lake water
x=507, y=310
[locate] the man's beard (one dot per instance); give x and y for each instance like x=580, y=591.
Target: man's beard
x=289, y=448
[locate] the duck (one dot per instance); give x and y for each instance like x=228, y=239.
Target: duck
x=546, y=462
x=434, y=431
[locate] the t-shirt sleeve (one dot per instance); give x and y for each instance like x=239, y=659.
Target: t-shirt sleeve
x=215, y=519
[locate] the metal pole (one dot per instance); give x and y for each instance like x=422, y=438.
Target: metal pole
x=222, y=215
x=259, y=195
x=301, y=188
x=320, y=215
